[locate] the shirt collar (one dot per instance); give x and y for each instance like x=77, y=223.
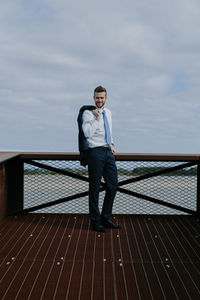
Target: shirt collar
x=100, y=109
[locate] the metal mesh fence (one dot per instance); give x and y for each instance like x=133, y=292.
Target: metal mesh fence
x=178, y=187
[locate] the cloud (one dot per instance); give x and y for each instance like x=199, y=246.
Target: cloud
x=53, y=54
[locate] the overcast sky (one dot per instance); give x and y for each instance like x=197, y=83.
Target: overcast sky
x=146, y=53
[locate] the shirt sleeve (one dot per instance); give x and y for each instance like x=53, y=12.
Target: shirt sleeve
x=90, y=124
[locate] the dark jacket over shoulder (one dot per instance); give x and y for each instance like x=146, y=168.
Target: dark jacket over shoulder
x=82, y=141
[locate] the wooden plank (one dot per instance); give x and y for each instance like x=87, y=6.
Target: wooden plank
x=118, y=156
x=4, y=156
x=59, y=257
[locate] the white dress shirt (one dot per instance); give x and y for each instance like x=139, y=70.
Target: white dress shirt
x=94, y=130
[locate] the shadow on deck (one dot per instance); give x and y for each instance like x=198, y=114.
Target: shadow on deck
x=49, y=256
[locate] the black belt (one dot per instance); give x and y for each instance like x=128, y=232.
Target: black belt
x=102, y=147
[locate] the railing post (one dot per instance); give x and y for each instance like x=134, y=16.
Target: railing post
x=14, y=173
x=198, y=189
x=2, y=191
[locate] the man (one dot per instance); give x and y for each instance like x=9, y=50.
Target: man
x=97, y=129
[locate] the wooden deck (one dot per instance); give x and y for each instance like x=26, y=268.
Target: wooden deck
x=58, y=257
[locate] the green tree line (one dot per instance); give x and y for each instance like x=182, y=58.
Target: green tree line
x=139, y=171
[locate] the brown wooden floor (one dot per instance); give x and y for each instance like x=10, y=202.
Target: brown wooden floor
x=59, y=257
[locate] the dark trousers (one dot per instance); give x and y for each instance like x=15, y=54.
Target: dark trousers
x=101, y=163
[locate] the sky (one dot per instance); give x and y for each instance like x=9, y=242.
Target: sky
x=54, y=53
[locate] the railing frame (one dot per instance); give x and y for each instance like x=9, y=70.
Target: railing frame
x=12, y=185
x=198, y=189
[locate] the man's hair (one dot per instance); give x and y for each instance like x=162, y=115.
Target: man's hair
x=100, y=89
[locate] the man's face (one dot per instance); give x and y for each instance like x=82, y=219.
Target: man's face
x=100, y=99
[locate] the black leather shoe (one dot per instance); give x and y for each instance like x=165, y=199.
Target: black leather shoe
x=111, y=224
x=98, y=227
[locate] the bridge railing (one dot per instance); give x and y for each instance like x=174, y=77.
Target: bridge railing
x=56, y=183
